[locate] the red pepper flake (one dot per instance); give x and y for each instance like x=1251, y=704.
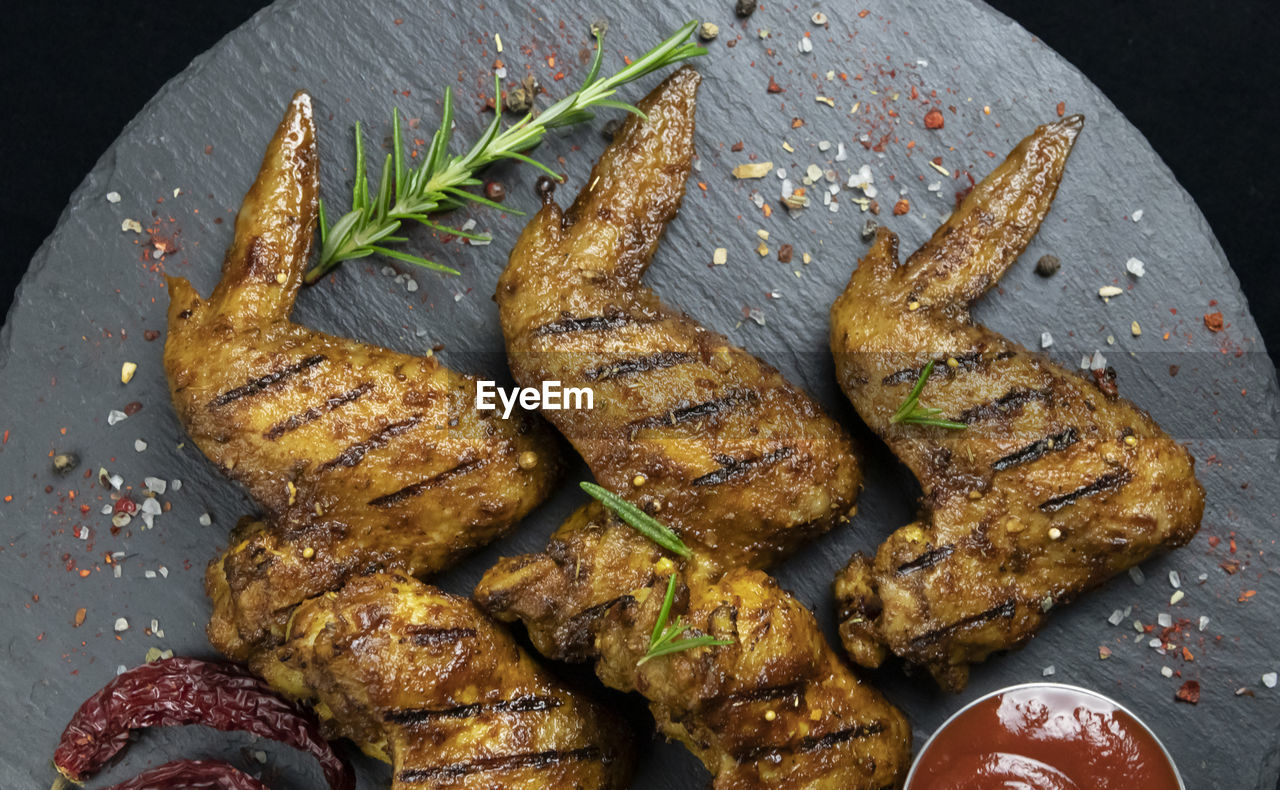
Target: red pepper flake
x=1186, y=655
x=126, y=505
x=863, y=13
x=1213, y=322
x=736, y=147
x=1062, y=108
x=1214, y=540
x=774, y=87
x=784, y=253
x=150, y=334
x=133, y=407
x=933, y=119
x=796, y=123
x=1246, y=595
x=1189, y=693
x=901, y=207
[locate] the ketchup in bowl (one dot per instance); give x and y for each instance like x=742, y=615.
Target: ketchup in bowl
x=1043, y=736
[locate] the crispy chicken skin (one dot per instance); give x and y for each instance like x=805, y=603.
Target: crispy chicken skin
x=1056, y=484
x=361, y=457
x=746, y=466
x=423, y=680
x=390, y=476
x=740, y=463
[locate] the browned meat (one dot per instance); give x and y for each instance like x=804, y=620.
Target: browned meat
x=425, y=681
x=368, y=464
x=1055, y=485
x=362, y=457
x=743, y=465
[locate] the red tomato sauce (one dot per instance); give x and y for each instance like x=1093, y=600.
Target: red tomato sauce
x=1043, y=738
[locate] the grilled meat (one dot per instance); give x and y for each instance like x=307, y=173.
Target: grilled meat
x=1055, y=485
x=424, y=680
x=745, y=465
x=369, y=464
x=776, y=708
x=740, y=463
x=362, y=457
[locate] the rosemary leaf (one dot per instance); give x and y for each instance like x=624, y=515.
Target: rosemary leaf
x=639, y=520
x=666, y=640
x=405, y=193
x=915, y=413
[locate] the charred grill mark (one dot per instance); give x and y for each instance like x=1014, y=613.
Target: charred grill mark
x=261, y=383
x=927, y=560
x=629, y=367
x=763, y=694
x=295, y=421
x=592, y=612
x=590, y=323
x=809, y=743
x=735, y=467
x=1108, y=482
x=506, y=762
x=1006, y=404
x=530, y=704
x=1037, y=449
x=353, y=455
x=964, y=362
x=431, y=636
x=414, y=489
x=1004, y=609
x=708, y=408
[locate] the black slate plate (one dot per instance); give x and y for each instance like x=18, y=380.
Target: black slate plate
x=93, y=290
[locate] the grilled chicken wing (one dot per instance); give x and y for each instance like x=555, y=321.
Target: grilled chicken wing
x=740, y=463
x=1055, y=485
x=745, y=465
x=427, y=682
x=361, y=457
x=368, y=464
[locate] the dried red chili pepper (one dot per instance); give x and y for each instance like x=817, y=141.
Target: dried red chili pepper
x=192, y=775
x=178, y=691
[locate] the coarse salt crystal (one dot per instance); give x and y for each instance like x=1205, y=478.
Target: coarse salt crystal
x=1136, y=574
x=1108, y=291
x=1116, y=617
x=1137, y=215
x=175, y=484
x=1049, y=670
x=131, y=224
x=1155, y=644
x=1099, y=362
x=1175, y=581
x=121, y=624
x=139, y=445
x=1204, y=622
x=205, y=519
x=121, y=669
x=388, y=271
x=149, y=574
x=840, y=153
x=116, y=571
x=1046, y=340
x=1164, y=620
x=1135, y=267
x=806, y=44
x=1166, y=671
x=164, y=572
x=113, y=197
x=155, y=484
x=824, y=145
x=1269, y=680
x=411, y=286
x=115, y=415
x=116, y=481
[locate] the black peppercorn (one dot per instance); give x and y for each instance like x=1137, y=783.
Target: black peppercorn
x=1048, y=265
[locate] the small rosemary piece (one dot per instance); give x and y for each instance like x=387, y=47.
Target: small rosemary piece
x=440, y=183
x=913, y=412
x=668, y=639
x=639, y=520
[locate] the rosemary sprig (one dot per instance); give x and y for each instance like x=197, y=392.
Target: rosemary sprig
x=639, y=520
x=668, y=639
x=440, y=182
x=912, y=411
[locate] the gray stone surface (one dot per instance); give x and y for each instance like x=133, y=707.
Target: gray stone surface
x=92, y=290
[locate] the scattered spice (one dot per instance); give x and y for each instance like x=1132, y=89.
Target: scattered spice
x=1048, y=265
x=753, y=170
x=784, y=253
x=65, y=462
x=708, y=31
x=126, y=372
x=495, y=191
x=744, y=8
x=1213, y=322
x=901, y=207
x=774, y=87
x=933, y=119
x=1189, y=693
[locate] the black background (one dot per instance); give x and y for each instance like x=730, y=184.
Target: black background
x=1196, y=76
